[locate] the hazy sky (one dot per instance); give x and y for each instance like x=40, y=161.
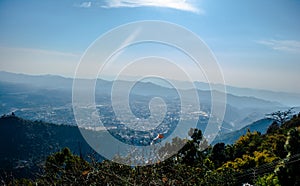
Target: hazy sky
x=257, y=43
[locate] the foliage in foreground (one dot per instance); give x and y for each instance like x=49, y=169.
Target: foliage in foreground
x=270, y=159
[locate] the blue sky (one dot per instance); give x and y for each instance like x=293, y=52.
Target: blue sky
x=257, y=43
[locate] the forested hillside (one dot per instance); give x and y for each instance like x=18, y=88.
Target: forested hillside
x=25, y=144
x=269, y=159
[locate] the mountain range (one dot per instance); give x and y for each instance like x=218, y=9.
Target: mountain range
x=47, y=99
x=260, y=126
x=29, y=95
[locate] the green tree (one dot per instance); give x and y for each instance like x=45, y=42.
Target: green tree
x=274, y=143
x=288, y=170
x=221, y=176
x=247, y=144
x=273, y=127
x=191, y=152
x=281, y=116
x=267, y=180
x=63, y=167
x=171, y=148
x=218, y=154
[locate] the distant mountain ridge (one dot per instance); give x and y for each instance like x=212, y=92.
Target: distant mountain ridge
x=286, y=98
x=260, y=126
x=21, y=92
x=55, y=81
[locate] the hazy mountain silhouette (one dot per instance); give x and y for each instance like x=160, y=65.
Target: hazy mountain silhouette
x=20, y=91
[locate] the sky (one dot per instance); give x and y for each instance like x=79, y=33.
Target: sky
x=256, y=43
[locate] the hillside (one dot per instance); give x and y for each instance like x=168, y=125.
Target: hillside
x=259, y=126
x=25, y=144
x=272, y=159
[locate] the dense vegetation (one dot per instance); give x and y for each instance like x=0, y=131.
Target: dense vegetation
x=26, y=144
x=261, y=159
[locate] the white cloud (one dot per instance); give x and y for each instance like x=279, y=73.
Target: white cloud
x=86, y=4
x=282, y=45
x=183, y=5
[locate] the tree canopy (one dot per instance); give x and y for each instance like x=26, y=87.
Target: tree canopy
x=260, y=159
